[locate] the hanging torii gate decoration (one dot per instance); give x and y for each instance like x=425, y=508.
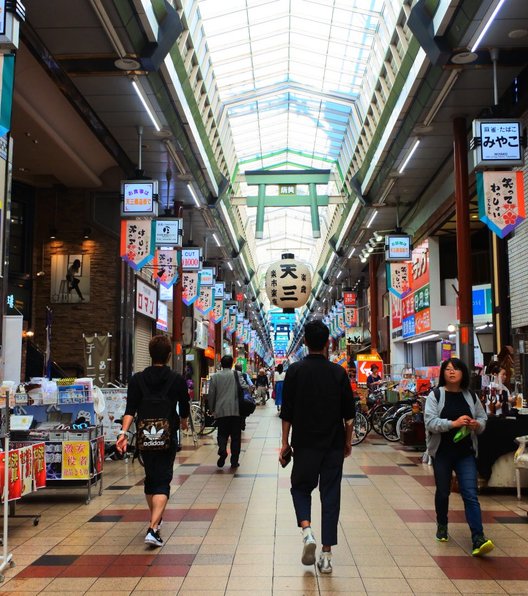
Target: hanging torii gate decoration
x=287, y=181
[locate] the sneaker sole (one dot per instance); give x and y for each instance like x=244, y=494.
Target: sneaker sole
x=308, y=556
x=487, y=547
x=442, y=539
x=153, y=542
x=325, y=571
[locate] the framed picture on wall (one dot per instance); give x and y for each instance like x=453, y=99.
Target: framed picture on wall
x=70, y=279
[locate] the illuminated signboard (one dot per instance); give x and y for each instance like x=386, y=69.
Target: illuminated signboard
x=169, y=232
x=497, y=142
x=162, y=322
x=191, y=259
x=398, y=247
x=139, y=198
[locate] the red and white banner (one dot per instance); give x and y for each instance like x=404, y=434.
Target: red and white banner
x=137, y=242
x=166, y=267
x=501, y=201
x=218, y=311
x=190, y=287
x=400, y=279
x=351, y=317
x=205, y=302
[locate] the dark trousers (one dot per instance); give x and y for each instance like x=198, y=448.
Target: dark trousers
x=229, y=426
x=312, y=467
x=465, y=469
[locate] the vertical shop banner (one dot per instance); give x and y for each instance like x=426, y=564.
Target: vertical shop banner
x=420, y=265
x=408, y=327
x=351, y=317
x=26, y=470
x=421, y=299
x=400, y=279
x=97, y=450
x=39, y=465
x=408, y=306
x=96, y=355
x=76, y=460
x=240, y=332
x=14, y=482
x=340, y=319
x=166, y=267
x=218, y=310
x=501, y=201
x=232, y=324
x=137, y=242
x=422, y=321
x=190, y=287
x=225, y=319
x=396, y=311
x=205, y=302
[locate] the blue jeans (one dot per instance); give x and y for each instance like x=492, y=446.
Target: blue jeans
x=465, y=469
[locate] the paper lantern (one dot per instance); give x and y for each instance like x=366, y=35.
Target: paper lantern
x=288, y=283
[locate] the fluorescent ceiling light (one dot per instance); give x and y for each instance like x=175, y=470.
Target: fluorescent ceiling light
x=372, y=218
x=194, y=195
x=339, y=274
x=441, y=97
x=229, y=224
x=408, y=158
x=487, y=25
x=229, y=265
x=246, y=271
x=238, y=283
x=352, y=251
x=347, y=223
x=425, y=338
x=330, y=263
x=145, y=102
x=215, y=237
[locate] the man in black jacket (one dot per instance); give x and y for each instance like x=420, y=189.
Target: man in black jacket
x=158, y=464
x=318, y=406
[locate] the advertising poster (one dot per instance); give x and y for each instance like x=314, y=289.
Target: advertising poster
x=26, y=470
x=76, y=460
x=14, y=482
x=396, y=311
x=39, y=465
x=115, y=405
x=53, y=461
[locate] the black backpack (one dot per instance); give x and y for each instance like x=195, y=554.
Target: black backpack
x=436, y=392
x=155, y=417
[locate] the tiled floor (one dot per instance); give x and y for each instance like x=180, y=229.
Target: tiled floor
x=234, y=533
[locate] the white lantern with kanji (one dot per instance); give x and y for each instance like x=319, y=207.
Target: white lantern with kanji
x=288, y=283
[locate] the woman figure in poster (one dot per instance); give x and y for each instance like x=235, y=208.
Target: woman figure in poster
x=73, y=282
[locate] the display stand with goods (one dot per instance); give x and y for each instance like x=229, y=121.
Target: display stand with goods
x=64, y=416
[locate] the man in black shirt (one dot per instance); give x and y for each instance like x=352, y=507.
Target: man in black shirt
x=318, y=406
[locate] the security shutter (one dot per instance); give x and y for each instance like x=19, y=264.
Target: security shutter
x=142, y=337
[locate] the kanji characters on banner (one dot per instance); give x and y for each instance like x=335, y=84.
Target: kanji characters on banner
x=225, y=319
x=166, y=267
x=137, y=242
x=190, y=287
x=351, y=317
x=218, y=310
x=400, y=278
x=205, y=302
x=501, y=201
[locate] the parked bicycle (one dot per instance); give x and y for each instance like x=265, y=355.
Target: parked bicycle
x=392, y=420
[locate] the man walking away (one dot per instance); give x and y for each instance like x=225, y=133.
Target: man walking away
x=317, y=404
x=157, y=386
x=223, y=402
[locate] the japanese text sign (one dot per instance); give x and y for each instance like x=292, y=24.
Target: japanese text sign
x=166, y=267
x=139, y=197
x=162, y=321
x=205, y=302
x=396, y=312
x=349, y=298
x=146, y=300
x=420, y=266
x=400, y=279
x=207, y=276
x=219, y=289
x=501, y=200
x=137, y=245
x=398, y=248
x=169, y=232
x=499, y=143
x=76, y=460
x=408, y=327
x=190, y=287
x=351, y=317
x=218, y=310
x=191, y=259
x=422, y=321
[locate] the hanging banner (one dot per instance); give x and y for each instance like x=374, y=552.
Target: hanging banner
x=166, y=267
x=96, y=358
x=225, y=319
x=340, y=322
x=190, y=287
x=205, y=302
x=501, y=201
x=137, y=246
x=351, y=317
x=400, y=279
x=349, y=298
x=218, y=311
x=396, y=312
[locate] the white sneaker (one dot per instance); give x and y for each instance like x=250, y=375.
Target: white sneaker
x=325, y=562
x=308, y=554
x=153, y=538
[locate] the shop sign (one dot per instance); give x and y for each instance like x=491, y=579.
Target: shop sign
x=351, y=317
x=349, y=298
x=482, y=305
x=169, y=232
x=400, y=279
x=354, y=336
x=408, y=306
x=137, y=246
x=421, y=299
x=497, y=143
x=448, y=350
x=225, y=319
x=139, y=198
x=96, y=358
x=423, y=321
x=363, y=364
x=146, y=299
x=501, y=201
x=408, y=327
x=218, y=310
x=191, y=259
x=190, y=287
x=398, y=248
x=162, y=322
x=420, y=265
x=3, y=14
x=396, y=312
x=7, y=78
x=166, y=267
x=232, y=324
x=287, y=190
x=340, y=322
x=207, y=276
x=75, y=460
x=205, y=302
x=219, y=289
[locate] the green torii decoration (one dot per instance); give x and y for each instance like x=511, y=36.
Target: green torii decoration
x=287, y=180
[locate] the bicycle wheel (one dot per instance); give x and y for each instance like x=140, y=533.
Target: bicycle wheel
x=207, y=430
x=198, y=419
x=388, y=430
x=361, y=428
x=377, y=418
x=404, y=423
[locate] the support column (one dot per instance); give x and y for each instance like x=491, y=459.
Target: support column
x=218, y=343
x=373, y=290
x=259, y=224
x=177, y=311
x=465, y=297
x=314, y=211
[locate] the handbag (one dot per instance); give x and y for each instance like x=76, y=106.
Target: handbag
x=246, y=403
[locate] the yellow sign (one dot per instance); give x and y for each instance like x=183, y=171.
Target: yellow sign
x=76, y=460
